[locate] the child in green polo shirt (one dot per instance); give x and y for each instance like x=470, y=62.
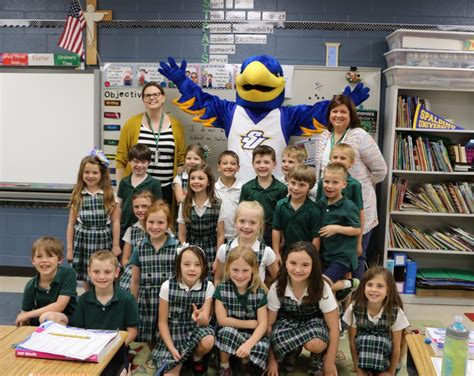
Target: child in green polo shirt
x=139, y=156
x=296, y=216
x=51, y=294
x=292, y=156
x=345, y=154
x=106, y=306
x=264, y=188
x=339, y=227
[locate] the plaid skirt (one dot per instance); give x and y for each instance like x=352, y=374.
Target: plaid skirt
x=289, y=334
x=185, y=337
x=148, y=302
x=230, y=339
x=374, y=351
x=87, y=240
x=126, y=277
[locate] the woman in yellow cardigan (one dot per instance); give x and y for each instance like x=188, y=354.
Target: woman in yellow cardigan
x=162, y=133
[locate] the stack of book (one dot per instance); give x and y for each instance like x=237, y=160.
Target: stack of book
x=403, y=236
x=444, y=279
x=449, y=197
x=421, y=154
x=406, y=108
x=458, y=156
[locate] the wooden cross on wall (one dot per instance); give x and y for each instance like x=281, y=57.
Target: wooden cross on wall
x=92, y=16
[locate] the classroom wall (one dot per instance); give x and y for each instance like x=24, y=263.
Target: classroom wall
x=358, y=48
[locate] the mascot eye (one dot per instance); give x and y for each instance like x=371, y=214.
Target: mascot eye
x=277, y=74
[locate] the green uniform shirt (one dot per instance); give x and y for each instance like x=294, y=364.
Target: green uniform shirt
x=120, y=312
x=252, y=191
x=64, y=283
x=296, y=225
x=353, y=191
x=126, y=191
x=340, y=248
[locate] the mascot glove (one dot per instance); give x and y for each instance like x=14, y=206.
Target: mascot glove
x=359, y=94
x=172, y=72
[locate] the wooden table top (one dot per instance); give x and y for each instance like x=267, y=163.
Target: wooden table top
x=421, y=354
x=5, y=330
x=18, y=366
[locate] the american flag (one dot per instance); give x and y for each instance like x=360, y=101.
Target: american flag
x=71, y=39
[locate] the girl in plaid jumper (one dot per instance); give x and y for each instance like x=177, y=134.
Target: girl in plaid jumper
x=376, y=324
x=302, y=312
x=194, y=154
x=241, y=312
x=184, y=315
x=201, y=216
x=152, y=264
x=249, y=223
x=94, y=216
x=134, y=234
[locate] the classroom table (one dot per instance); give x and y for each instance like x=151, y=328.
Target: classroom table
x=6, y=330
x=10, y=365
x=420, y=353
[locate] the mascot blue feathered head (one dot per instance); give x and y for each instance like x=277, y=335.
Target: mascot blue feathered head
x=260, y=84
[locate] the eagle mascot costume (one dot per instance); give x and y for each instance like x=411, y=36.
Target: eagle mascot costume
x=257, y=117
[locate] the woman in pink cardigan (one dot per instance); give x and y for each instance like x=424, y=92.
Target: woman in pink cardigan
x=369, y=167
x=162, y=133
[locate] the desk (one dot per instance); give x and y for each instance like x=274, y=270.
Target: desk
x=421, y=354
x=5, y=330
x=15, y=366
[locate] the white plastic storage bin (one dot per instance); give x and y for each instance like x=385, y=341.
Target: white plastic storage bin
x=430, y=58
x=430, y=40
x=444, y=78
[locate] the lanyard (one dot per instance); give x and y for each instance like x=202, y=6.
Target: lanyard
x=340, y=140
x=155, y=136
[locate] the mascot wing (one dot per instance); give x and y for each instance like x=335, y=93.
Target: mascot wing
x=209, y=110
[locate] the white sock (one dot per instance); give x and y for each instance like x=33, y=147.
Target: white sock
x=196, y=358
x=225, y=365
x=347, y=283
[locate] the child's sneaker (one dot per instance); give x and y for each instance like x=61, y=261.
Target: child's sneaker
x=344, y=293
x=315, y=365
x=225, y=372
x=200, y=367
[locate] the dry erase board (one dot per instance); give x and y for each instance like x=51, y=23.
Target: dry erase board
x=49, y=120
x=310, y=84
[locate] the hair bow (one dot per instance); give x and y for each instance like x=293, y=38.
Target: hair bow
x=98, y=153
x=185, y=246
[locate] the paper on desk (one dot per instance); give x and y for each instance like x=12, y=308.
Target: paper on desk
x=77, y=348
x=437, y=363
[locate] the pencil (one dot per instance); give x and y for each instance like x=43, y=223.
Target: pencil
x=69, y=335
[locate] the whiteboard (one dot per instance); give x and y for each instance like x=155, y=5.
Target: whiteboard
x=310, y=85
x=49, y=121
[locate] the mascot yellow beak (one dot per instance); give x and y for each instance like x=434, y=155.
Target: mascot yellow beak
x=257, y=84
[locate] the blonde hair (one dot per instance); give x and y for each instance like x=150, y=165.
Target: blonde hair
x=248, y=255
x=51, y=246
x=294, y=151
x=252, y=205
x=338, y=168
x=345, y=148
x=104, y=184
x=104, y=255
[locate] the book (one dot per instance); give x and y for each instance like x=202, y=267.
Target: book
x=55, y=341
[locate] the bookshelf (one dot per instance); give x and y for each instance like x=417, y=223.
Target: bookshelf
x=449, y=102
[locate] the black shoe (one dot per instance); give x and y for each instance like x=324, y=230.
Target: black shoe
x=344, y=293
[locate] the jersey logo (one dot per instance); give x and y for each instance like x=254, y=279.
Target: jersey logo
x=252, y=139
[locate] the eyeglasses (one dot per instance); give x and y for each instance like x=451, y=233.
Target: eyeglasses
x=153, y=95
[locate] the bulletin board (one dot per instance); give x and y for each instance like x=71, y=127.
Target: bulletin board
x=122, y=83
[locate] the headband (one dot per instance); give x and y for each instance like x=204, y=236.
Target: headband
x=185, y=246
